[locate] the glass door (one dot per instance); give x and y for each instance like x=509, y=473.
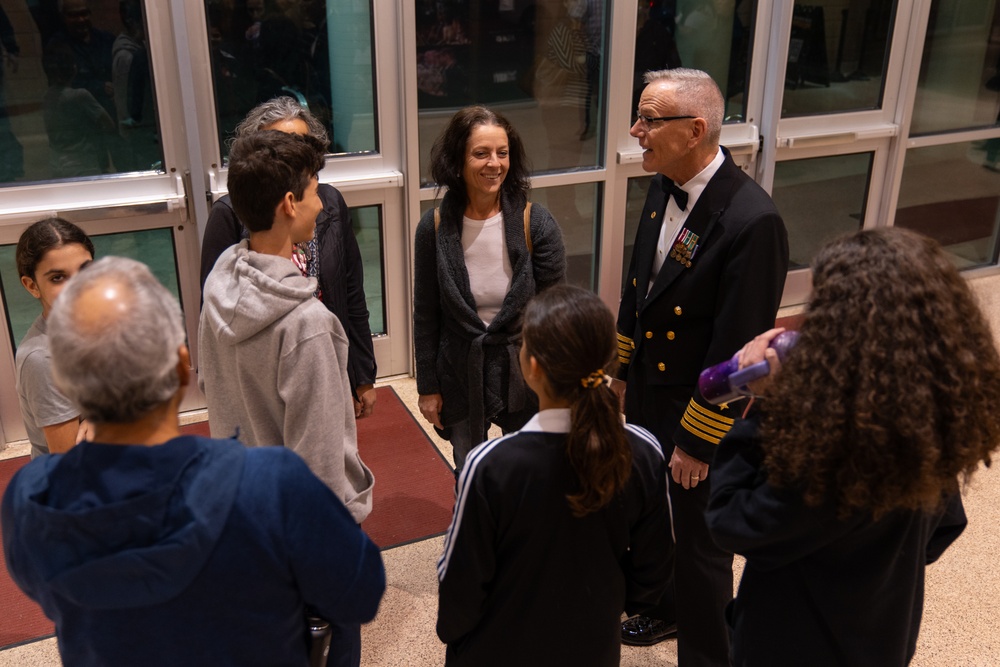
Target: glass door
x=329, y=56
x=832, y=120
x=89, y=97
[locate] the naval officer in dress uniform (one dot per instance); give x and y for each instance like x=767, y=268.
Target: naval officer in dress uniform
x=706, y=276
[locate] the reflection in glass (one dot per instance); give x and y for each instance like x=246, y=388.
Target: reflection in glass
x=76, y=91
x=576, y=208
x=153, y=247
x=959, y=85
x=838, y=53
x=713, y=35
x=317, y=52
x=368, y=230
x=819, y=199
x=964, y=216
x=539, y=64
x=637, y=189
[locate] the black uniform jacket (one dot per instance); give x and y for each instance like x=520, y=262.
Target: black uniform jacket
x=818, y=590
x=341, y=277
x=522, y=580
x=699, y=315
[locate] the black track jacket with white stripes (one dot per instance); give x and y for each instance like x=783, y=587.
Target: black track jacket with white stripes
x=523, y=581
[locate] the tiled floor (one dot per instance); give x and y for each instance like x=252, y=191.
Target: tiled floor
x=960, y=618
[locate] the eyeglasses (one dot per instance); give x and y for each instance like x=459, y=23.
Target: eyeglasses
x=645, y=121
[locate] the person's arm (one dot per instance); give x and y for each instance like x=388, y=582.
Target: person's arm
x=337, y=568
x=625, y=325
x=747, y=302
x=548, y=253
x=222, y=230
x=361, y=352
x=315, y=394
x=748, y=516
x=427, y=317
x=468, y=563
x=61, y=437
x=53, y=413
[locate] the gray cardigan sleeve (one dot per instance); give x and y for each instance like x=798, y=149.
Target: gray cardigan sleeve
x=426, y=307
x=548, y=253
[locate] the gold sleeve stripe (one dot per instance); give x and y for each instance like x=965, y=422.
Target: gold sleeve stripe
x=698, y=432
x=622, y=338
x=706, y=426
x=723, y=421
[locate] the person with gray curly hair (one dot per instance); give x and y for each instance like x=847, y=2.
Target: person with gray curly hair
x=332, y=256
x=280, y=110
x=145, y=527
x=142, y=342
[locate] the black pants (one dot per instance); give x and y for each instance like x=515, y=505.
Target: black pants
x=703, y=573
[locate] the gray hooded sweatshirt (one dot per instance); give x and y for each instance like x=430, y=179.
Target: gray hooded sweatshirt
x=273, y=367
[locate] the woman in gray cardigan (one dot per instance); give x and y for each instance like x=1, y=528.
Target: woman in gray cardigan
x=479, y=258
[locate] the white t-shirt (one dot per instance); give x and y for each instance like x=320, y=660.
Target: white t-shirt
x=488, y=264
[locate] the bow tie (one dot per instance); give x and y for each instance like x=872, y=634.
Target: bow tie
x=672, y=189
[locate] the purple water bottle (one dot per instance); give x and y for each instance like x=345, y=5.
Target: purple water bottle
x=726, y=382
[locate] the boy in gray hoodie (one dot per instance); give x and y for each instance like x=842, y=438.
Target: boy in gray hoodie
x=273, y=359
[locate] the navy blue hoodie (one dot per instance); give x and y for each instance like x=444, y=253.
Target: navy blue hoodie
x=196, y=551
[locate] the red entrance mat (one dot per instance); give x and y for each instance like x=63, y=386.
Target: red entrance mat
x=414, y=485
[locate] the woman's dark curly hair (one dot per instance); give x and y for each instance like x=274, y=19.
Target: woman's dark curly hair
x=448, y=157
x=891, y=394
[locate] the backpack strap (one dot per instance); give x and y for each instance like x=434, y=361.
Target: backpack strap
x=527, y=226
x=437, y=219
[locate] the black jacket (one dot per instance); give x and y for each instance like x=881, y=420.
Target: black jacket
x=699, y=315
x=522, y=580
x=818, y=590
x=475, y=367
x=341, y=277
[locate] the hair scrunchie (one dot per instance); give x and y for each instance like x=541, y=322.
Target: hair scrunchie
x=595, y=379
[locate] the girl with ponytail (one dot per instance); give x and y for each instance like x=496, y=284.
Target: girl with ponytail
x=561, y=526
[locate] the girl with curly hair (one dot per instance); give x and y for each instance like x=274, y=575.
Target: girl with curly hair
x=847, y=484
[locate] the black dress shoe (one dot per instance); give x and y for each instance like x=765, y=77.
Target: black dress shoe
x=646, y=631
